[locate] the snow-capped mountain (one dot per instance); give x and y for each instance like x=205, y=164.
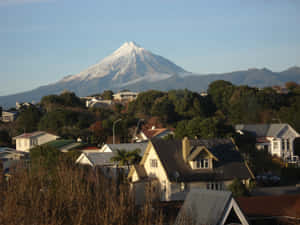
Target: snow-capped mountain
x=134, y=68
x=129, y=64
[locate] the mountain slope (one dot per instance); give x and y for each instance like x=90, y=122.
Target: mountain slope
x=132, y=67
x=128, y=64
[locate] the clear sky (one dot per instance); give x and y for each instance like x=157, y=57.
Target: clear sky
x=41, y=41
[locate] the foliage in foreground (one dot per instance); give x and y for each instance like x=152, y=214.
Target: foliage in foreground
x=69, y=195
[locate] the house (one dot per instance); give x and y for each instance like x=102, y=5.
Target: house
x=8, y=116
x=277, y=139
x=127, y=96
x=100, y=160
x=97, y=103
x=27, y=141
x=125, y=146
x=10, y=157
x=174, y=167
x=210, y=207
x=147, y=134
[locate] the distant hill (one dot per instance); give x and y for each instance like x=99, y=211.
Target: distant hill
x=132, y=67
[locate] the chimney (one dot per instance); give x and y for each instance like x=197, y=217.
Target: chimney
x=185, y=148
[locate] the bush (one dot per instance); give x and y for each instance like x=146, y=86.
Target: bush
x=238, y=188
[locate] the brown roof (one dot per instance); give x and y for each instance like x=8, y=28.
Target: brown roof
x=151, y=133
x=229, y=166
x=265, y=206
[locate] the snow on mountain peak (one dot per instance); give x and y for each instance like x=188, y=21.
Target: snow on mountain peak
x=127, y=63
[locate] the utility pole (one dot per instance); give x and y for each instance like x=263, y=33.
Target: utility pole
x=114, y=124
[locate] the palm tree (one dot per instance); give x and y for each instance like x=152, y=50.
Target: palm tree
x=123, y=157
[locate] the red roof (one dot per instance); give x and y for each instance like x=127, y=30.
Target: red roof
x=265, y=206
x=150, y=133
x=28, y=135
x=91, y=148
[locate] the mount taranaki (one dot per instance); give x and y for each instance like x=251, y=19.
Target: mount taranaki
x=133, y=67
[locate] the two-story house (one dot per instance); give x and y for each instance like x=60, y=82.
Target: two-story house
x=27, y=141
x=277, y=139
x=174, y=167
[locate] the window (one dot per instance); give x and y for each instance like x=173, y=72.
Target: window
x=287, y=144
x=282, y=144
x=214, y=186
x=275, y=145
x=153, y=163
x=202, y=163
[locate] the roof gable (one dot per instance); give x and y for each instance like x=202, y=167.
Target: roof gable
x=266, y=130
x=200, y=149
x=230, y=164
x=208, y=207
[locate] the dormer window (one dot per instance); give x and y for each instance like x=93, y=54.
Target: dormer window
x=202, y=164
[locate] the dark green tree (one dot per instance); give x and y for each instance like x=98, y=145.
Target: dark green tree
x=5, y=139
x=28, y=119
x=107, y=95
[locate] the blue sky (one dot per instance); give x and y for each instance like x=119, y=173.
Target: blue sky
x=42, y=41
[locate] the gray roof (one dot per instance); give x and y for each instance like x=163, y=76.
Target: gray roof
x=129, y=147
x=203, y=206
x=263, y=130
x=229, y=166
x=100, y=158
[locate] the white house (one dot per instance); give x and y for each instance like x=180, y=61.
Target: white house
x=97, y=103
x=8, y=116
x=27, y=141
x=277, y=139
x=174, y=167
x=125, y=96
x=101, y=160
x=210, y=207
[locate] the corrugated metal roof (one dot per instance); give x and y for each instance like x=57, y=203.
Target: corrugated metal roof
x=204, y=207
x=100, y=158
x=129, y=147
x=263, y=130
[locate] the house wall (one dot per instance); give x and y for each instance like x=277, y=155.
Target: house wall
x=287, y=135
x=23, y=144
x=134, y=177
x=158, y=173
x=43, y=139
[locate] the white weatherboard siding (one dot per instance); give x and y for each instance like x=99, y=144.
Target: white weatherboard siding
x=26, y=143
x=158, y=172
x=23, y=144
x=83, y=160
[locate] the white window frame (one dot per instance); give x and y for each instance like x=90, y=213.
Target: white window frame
x=153, y=163
x=202, y=164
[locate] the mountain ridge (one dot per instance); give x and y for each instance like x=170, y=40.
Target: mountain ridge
x=135, y=68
